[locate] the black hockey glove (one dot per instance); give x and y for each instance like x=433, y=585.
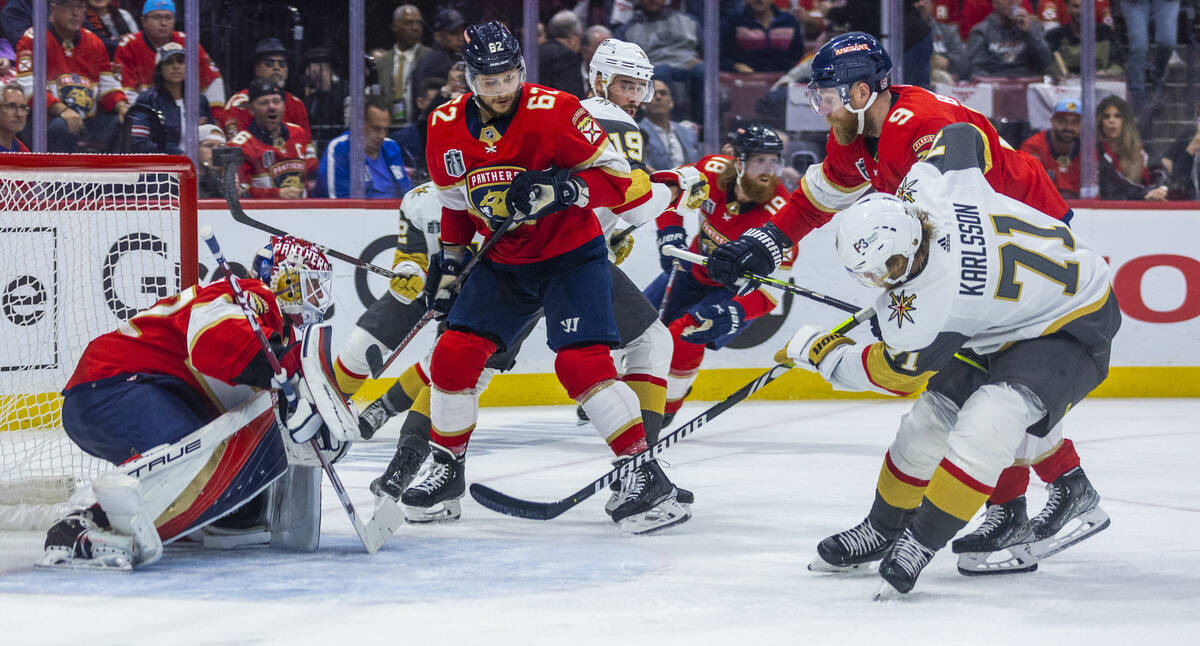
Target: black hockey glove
x=711, y=322
x=758, y=251
x=444, y=267
x=534, y=194
x=670, y=236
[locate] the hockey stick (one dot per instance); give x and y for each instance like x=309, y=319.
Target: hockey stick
x=232, y=159
x=289, y=392
x=666, y=297
x=698, y=259
x=505, y=504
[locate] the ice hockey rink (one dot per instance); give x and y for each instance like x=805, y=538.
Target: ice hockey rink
x=771, y=479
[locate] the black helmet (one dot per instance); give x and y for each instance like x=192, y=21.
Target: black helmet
x=491, y=49
x=755, y=138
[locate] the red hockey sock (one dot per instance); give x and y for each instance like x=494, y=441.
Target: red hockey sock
x=1062, y=460
x=1012, y=484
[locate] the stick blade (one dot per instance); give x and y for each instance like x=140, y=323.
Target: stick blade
x=502, y=503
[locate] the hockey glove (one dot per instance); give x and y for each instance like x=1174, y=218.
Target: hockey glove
x=534, y=194
x=444, y=267
x=407, y=287
x=711, y=322
x=758, y=251
x=621, y=248
x=692, y=187
x=670, y=236
x=811, y=348
x=299, y=416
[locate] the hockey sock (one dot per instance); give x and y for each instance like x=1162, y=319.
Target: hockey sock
x=1061, y=460
x=408, y=387
x=951, y=500
x=458, y=360
x=588, y=374
x=685, y=365
x=348, y=381
x=651, y=393
x=1012, y=484
x=897, y=494
x=417, y=426
x=352, y=367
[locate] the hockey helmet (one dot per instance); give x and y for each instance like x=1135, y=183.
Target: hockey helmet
x=755, y=139
x=872, y=231
x=300, y=276
x=614, y=57
x=490, y=50
x=841, y=62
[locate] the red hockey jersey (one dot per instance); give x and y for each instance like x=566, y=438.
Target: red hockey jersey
x=724, y=218
x=133, y=65
x=199, y=335
x=847, y=172
x=472, y=165
x=268, y=166
x=238, y=117
x=80, y=76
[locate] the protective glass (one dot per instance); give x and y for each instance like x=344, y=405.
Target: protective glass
x=825, y=100
x=501, y=84
x=761, y=164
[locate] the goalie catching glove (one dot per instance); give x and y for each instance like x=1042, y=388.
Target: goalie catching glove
x=815, y=348
x=534, y=194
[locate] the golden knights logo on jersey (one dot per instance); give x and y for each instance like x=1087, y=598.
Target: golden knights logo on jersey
x=902, y=308
x=486, y=188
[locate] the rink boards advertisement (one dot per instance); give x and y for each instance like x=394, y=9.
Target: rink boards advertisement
x=1153, y=253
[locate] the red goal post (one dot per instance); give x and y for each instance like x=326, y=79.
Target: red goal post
x=86, y=241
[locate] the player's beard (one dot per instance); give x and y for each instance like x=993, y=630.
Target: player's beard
x=758, y=190
x=844, y=125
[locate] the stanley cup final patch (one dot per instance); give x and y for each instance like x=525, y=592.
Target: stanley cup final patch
x=455, y=167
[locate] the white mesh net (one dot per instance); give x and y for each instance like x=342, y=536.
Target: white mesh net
x=80, y=252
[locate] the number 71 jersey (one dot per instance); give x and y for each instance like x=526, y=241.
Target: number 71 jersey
x=998, y=272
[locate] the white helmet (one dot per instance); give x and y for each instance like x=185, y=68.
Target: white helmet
x=614, y=57
x=871, y=231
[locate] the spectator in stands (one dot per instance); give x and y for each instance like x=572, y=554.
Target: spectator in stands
x=1054, y=13
x=559, y=58
x=1065, y=41
x=14, y=110
x=669, y=144
x=1181, y=165
x=110, y=23
x=411, y=138
x=208, y=183
x=15, y=17
x=84, y=100
x=1124, y=172
x=1138, y=16
x=949, y=61
x=760, y=38
x=1008, y=43
x=671, y=40
x=271, y=64
x=162, y=107
x=969, y=13
x=398, y=64
x=1058, y=147
x=385, y=174
x=324, y=91
x=8, y=61
x=136, y=57
x=448, y=26
x=278, y=159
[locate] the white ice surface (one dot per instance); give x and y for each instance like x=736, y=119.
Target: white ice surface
x=771, y=480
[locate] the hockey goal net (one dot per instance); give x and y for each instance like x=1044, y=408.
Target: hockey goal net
x=85, y=242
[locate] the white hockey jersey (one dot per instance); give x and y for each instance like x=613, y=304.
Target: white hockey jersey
x=998, y=272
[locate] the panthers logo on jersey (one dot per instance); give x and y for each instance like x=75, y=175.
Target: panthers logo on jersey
x=486, y=188
x=77, y=93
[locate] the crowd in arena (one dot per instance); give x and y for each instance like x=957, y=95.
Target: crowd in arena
x=115, y=81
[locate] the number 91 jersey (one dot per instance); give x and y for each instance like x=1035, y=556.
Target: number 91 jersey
x=998, y=272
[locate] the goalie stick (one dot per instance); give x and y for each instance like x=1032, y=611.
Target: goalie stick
x=231, y=158
x=505, y=504
x=372, y=538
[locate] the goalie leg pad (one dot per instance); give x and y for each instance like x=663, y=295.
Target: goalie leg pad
x=295, y=510
x=120, y=496
x=319, y=376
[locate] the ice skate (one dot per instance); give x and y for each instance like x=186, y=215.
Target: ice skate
x=436, y=498
x=649, y=502
x=581, y=416
x=84, y=541
x=399, y=473
x=373, y=417
x=902, y=565
x=1072, y=514
x=1000, y=545
x=853, y=550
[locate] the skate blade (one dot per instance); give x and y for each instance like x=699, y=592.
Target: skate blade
x=821, y=566
x=1010, y=560
x=668, y=513
x=111, y=564
x=885, y=592
x=442, y=512
x=1077, y=529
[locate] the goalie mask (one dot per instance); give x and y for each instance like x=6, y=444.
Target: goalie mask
x=299, y=275
x=871, y=232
